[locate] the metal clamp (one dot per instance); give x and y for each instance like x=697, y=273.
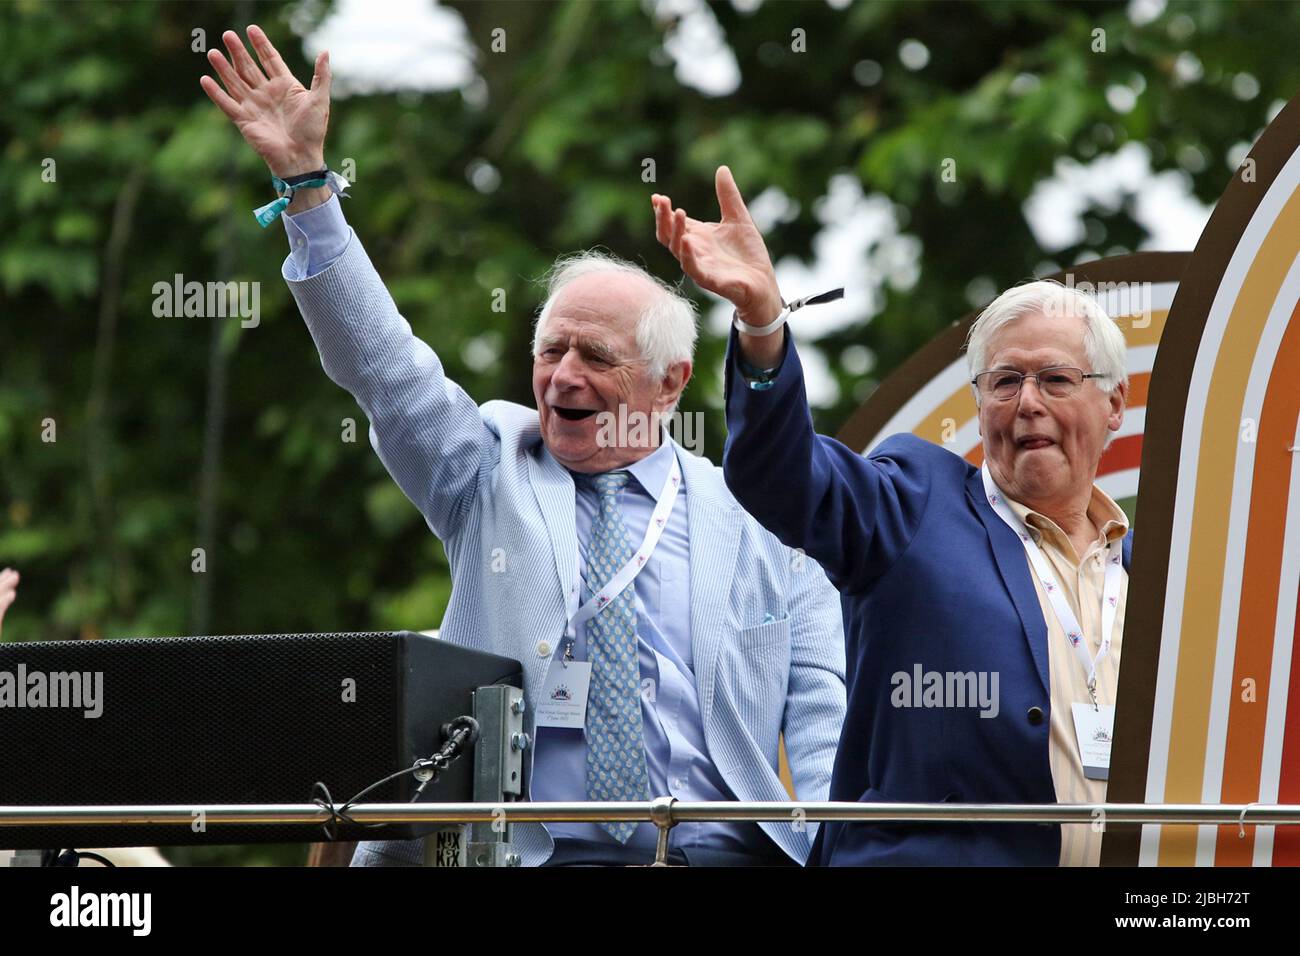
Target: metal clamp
x=498, y=781
x=661, y=815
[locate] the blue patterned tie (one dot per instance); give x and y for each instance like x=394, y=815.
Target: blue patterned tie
x=616, y=767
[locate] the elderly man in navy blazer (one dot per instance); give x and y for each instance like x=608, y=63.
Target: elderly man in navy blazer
x=983, y=607
x=583, y=540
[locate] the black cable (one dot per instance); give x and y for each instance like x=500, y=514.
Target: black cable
x=71, y=857
x=461, y=733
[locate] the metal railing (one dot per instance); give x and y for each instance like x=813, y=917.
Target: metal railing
x=663, y=812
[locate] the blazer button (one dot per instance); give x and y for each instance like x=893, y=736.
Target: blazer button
x=1035, y=716
x=543, y=648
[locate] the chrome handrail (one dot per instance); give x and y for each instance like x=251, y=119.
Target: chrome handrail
x=664, y=812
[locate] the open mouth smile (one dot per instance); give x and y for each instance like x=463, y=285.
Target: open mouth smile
x=573, y=414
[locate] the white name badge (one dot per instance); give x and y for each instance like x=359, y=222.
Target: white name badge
x=1093, y=729
x=564, y=695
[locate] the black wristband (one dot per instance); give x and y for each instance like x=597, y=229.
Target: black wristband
x=301, y=178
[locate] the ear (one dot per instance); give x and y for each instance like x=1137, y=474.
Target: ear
x=673, y=384
x=1118, y=402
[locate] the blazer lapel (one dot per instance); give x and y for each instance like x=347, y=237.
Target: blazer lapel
x=1012, y=563
x=714, y=525
x=554, y=490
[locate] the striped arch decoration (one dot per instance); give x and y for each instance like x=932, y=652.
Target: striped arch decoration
x=1209, y=689
x=930, y=394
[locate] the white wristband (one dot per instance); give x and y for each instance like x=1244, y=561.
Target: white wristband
x=787, y=309
x=761, y=329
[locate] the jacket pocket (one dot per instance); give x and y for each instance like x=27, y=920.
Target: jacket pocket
x=756, y=677
x=761, y=635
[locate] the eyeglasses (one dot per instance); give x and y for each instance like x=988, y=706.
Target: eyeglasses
x=1059, y=381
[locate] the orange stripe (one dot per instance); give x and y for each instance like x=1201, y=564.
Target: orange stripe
x=1138, y=385
x=1260, y=577
x=1203, y=585
x=953, y=412
x=1286, y=840
x=1123, y=454
x=1145, y=336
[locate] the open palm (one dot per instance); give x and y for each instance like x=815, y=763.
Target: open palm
x=8, y=590
x=728, y=258
x=280, y=118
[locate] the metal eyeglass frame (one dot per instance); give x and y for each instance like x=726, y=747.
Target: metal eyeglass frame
x=1083, y=377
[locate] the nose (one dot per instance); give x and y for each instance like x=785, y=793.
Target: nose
x=568, y=373
x=1030, y=403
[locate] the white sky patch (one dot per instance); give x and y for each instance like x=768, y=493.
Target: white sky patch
x=1165, y=205
x=699, y=48
x=1142, y=12
x=415, y=45
x=770, y=207
x=914, y=54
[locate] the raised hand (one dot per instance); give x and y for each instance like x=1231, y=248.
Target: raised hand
x=280, y=118
x=728, y=258
x=8, y=590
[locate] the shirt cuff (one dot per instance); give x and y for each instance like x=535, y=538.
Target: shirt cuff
x=759, y=379
x=317, y=237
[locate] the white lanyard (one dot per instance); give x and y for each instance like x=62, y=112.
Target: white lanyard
x=1064, y=614
x=614, y=587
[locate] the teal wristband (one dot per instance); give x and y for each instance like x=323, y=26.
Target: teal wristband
x=759, y=379
x=265, y=215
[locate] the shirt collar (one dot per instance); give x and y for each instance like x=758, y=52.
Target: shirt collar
x=650, y=472
x=1102, y=511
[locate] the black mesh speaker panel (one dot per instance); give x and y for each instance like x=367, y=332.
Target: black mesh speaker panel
x=235, y=719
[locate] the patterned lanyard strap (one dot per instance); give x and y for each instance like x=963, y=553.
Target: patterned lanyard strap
x=1056, y=595
x=626, y=574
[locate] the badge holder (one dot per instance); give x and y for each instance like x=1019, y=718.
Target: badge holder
x=564, y=694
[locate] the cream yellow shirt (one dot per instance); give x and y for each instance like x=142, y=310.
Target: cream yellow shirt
x=1082, y=581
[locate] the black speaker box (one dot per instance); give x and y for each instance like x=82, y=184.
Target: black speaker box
x=237, y=719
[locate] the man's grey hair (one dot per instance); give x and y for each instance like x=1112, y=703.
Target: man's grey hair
x=1103, y=340
x=666, y=329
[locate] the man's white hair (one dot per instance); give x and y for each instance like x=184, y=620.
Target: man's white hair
x=1103, y=340
x=666, y=328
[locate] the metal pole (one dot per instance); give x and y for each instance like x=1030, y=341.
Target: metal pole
x=672, y=813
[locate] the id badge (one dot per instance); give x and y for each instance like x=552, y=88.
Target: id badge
x=1093, y=731
x=564, y=695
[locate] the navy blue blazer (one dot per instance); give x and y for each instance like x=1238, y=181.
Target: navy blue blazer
x=929, y=575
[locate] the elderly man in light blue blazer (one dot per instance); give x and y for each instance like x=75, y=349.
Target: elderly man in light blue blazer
x=579, y=533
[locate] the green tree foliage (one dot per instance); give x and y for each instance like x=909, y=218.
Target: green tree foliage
x=183, y=433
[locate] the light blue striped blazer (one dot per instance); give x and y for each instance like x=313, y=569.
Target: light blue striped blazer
x=477, y=476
